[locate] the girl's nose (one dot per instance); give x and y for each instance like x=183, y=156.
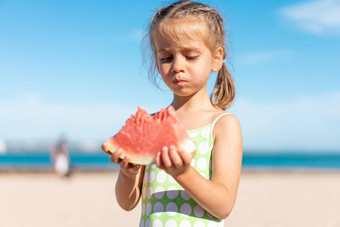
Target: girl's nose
x=177, y=66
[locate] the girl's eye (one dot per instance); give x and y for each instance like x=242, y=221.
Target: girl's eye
x=165, y=59
x=192, y=58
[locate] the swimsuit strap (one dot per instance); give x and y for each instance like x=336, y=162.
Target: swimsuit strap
x=217, y=118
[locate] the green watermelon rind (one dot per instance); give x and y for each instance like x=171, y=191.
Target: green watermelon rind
x=142, y=160
x=187, y=145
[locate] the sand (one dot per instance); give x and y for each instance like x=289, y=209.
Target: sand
x=304, y=198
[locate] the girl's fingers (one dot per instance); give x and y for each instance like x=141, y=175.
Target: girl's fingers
x=104, y=148
x=112, y=159
x=136, y=167
x=187, y=157
x=115, y=156
x=158, y=160
x=165, y=157
x=125, y=162
x=132, y=168
x=175, y=157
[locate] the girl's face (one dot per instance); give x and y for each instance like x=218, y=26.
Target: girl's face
x=186, y=68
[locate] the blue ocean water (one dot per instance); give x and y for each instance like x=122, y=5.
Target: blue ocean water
x=41, y=160
x=99, y=160
x=296, y=160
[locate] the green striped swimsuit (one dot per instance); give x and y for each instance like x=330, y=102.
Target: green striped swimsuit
x=165, y=203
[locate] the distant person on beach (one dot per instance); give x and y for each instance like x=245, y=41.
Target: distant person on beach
x=60, y=158
x=187, y=41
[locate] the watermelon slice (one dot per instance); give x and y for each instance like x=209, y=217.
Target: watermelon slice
x=143, y=136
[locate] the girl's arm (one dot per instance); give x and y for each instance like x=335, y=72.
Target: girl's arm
x=218, y=195
x=129, y=182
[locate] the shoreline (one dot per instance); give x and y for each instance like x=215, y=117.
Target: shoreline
x=246, y=170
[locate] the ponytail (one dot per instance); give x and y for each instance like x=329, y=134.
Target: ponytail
x=224, y=91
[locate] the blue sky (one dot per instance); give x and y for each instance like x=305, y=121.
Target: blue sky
x=76, y=67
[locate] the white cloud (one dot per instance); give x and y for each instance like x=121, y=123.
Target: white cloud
x=307, y=122
x=317, y=17
x=30, y=117
x=264, y=56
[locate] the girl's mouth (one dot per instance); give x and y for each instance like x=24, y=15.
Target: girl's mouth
x=180, y=82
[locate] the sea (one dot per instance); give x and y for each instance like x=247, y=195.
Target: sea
x=39, y=160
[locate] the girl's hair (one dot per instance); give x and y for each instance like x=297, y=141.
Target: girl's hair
x=163, y=24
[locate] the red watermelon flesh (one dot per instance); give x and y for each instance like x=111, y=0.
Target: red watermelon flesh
x=143, y=136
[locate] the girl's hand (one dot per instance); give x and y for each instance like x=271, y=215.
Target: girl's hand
x=173, y=161
x=129, y=169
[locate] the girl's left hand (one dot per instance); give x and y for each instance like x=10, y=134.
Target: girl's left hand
x=173, y=161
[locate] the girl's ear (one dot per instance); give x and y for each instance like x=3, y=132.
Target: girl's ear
x=217, y=60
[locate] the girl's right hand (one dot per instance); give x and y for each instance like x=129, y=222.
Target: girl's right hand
x=129, y=169
x=174, y=161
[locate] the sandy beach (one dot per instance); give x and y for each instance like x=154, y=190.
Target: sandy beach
x=286, y=198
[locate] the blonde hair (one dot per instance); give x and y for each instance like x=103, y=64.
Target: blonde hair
x=213, y=35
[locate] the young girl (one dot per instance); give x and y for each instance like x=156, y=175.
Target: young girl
x=187, y=40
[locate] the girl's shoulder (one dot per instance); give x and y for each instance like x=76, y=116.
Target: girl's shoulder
x=219, y=115
x=225, y=123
